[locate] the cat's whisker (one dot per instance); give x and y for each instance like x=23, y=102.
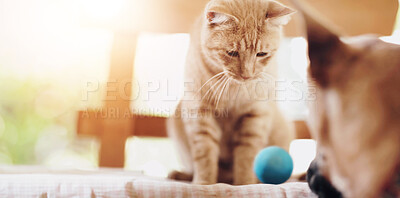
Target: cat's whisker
x=217, y=91
x=267, y=79
x=214, y=96
x=237, y=81
x=222, y=91
x=232, y=75
x=209, y=91
x=229, y=86
x=267, y=76
x=209, y=80
x=219, y=81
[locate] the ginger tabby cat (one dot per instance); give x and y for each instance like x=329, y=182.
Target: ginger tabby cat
x=230, y=113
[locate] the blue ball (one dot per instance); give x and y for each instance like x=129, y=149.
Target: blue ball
x=273, y=165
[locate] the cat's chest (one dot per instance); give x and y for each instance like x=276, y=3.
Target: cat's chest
x=238, y=96
x=230, y=123
x=229, y=115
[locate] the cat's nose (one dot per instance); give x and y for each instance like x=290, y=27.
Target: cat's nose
x=245, y=77
x=247, y=73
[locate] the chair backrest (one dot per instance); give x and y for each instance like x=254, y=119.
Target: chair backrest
x=353, y=17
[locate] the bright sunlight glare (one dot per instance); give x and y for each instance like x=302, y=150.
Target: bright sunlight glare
x=103, y=9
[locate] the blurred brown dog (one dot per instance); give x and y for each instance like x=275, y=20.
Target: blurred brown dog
x=356, y=116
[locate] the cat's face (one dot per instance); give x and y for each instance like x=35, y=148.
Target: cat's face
x=241, y=36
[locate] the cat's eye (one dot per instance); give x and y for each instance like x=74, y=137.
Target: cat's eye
x=261, y=54
x=233, y=53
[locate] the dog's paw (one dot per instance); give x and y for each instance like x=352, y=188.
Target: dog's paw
x=319, y=184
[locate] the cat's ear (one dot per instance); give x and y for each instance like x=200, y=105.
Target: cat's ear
x=216, y=15
x=278, y=14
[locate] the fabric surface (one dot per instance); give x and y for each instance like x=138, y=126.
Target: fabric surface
x=120, y=184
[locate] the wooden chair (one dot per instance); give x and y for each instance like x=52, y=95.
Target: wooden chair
x=176, y=16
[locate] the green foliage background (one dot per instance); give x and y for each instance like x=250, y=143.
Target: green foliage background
x=25, y=120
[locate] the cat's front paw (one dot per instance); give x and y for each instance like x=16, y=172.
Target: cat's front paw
x=202, y=182
x=204, y=178
x=182, y=176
